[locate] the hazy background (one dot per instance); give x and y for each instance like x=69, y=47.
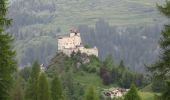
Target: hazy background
x=127, y=29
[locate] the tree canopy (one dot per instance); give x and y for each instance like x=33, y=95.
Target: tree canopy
x=161, y=67
x=56, y=89
x=32, y=85
x=91, y=94
x=132, y=94
x=43, y=88
x=160, y=70
x=7, y=55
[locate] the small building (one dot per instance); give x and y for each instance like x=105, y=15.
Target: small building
x=42, y=68
x=114, y=92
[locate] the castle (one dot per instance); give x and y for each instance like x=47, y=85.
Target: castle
x=72, y=43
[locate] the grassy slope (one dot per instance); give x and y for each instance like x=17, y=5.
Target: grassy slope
x=147, y=88
x=89, y=79
x=92, y=79
x=70, y=13
x=117, y=12
x=147, y=95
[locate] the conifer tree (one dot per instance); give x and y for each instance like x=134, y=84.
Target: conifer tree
x=56, y=89
x=91, y=94
x=108, y=62
x=7, y=62
x=17, y=92
x=121, y=65
x=32, y=86
x=162, y=67
x=43, y=88
x=132, y=94
x=166, y=93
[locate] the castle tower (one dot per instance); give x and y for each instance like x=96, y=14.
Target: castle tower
x=72, y=42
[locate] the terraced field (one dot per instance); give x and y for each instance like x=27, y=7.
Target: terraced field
x=76, y=12
x=117, y=12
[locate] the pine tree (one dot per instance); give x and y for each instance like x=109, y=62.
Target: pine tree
x=166, y=94
x=162, y=67
x=69, y=86
x=56, y=89
x=18, y=91
x=121, y=65
x=43, y=88
x=32, y=86
x=7, y=62
x=132, y=94
x=91, y=94
x=25, y=73
x=108, y=62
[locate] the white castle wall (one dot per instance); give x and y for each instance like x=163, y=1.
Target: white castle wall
x=71, y=43
x=89, y=51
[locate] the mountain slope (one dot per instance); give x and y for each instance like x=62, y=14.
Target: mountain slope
x=36, y=23
x=68, y=13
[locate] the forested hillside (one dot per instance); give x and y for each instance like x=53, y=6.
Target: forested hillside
x=136, y=45
x=130, y=35
x=127, y=29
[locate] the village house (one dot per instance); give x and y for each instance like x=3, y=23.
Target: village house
x=114, y=92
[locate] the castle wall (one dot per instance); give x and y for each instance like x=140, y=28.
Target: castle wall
x=72, y=43
x=89, y=51
x=68, y=51
x=69, y=42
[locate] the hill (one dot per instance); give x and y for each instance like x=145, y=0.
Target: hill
x=79, y=71
x=127, y=25
x=66, y=14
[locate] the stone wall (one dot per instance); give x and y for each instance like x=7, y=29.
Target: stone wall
x=89, y=51
x=68, y=44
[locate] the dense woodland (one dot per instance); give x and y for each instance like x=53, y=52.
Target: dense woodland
x=132, y=39
x=72, y=73
x=79, y=76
